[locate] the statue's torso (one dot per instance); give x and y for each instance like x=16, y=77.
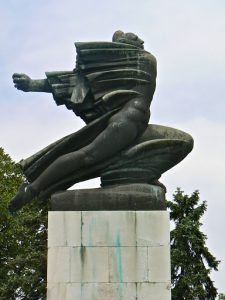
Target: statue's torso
x=103, y=68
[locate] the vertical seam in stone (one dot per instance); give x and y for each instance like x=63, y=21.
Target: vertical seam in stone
x=135, y=223
x=136, y=243
x=108, y=265
x=70, y=264
x=48, y=229
x=81, y=228
x=64, y=230
x=81, y=253
x=81, y=290
x=148, y=275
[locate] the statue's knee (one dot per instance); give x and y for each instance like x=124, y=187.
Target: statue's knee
x=89, y=159
x=69, y=159
x=116, y=125
x=190, y=142
x=63, y=161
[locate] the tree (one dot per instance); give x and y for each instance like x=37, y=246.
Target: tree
x=23, y=238
x=191, y=260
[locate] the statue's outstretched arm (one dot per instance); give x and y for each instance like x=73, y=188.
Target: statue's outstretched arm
x=25, y=83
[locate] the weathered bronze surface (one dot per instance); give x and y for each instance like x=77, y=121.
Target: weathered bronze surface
x=111, y=89
x=138, y=196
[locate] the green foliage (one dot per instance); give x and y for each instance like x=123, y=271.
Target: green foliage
x=23, y=238
x=221, y=297
x=191, y=260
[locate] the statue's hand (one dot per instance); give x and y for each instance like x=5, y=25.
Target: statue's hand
x=22, y=82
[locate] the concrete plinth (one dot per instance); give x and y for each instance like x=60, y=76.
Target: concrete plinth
x=108, y=255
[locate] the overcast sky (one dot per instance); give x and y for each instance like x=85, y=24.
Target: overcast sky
x=187, y=38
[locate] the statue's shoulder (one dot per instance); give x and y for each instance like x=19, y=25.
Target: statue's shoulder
x=107, y=51
x=102, y=45
x=95, y=54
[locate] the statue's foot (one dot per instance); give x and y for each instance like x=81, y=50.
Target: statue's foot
x=158, y=183
x=23, y=196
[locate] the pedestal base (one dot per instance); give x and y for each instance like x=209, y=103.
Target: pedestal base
x=108, y=255
x=135, y=196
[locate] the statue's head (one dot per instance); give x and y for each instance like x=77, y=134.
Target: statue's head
x=128, y=38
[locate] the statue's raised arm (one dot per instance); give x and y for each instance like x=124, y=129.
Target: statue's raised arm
x=24, y=83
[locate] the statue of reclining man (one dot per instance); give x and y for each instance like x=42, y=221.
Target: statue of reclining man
x=111, y=89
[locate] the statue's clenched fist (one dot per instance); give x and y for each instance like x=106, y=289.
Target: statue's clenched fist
x=22, y=82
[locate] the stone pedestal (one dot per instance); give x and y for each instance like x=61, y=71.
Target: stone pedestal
x=108, y=255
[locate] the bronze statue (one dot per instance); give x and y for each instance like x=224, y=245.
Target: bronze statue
x=111, y=89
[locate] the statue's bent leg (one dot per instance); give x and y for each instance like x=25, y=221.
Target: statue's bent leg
x=168, y=146
x=157, y=150
x=171, y=145
x=154, y=132
x=112, y=140
x=34, y=166
x=122, y=129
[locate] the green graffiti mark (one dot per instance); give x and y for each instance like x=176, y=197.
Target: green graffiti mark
x=119, y=262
